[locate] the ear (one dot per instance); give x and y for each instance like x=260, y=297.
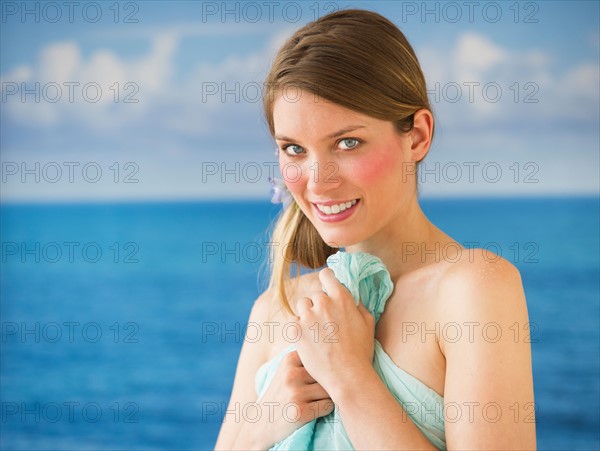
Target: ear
x=421, y=134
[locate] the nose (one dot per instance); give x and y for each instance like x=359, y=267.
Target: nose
x=323, y=176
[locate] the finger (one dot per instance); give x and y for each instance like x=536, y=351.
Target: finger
x=292, y=359
x=314, y=392
x=366, y=314
x=318, y=297
x=299, y=377
x=303, y=305
x=322, y=407
x=306, y=377
x=331, y=285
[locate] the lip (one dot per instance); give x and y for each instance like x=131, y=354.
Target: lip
x=329, y=203
x=336, y=217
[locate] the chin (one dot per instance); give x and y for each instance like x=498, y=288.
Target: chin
x=337, y=240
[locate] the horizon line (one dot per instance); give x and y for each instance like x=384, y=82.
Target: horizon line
x=227, y=200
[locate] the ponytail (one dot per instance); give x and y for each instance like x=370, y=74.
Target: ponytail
x=294, y=240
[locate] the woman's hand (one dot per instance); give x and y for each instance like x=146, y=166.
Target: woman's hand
x=337, y=339
x=293, y=399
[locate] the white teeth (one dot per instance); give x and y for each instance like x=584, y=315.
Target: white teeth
x=334, y=209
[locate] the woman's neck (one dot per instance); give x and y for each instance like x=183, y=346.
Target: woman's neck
x=408, y=242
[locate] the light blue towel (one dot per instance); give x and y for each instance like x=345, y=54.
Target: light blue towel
x=367, y=278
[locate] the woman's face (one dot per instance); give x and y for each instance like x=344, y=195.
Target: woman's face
x=351, y=174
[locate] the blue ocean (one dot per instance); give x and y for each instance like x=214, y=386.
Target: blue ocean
x=122, y=323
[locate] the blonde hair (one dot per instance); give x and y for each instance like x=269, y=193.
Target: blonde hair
x=359, y=60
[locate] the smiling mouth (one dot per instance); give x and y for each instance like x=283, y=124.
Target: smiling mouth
x=336, y=208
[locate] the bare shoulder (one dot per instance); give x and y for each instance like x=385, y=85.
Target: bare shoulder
x=256, y=350
x=480, y=272
x=483, y=337
x=481, y=287
x=263, y=305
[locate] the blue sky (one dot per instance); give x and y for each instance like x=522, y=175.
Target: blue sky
x=130, y=96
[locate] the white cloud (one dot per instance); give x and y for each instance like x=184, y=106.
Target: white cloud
x=475, y=56
x=214, y=93
x=154, y=70
x=581, y=82
x=178, y=119
x=91, y=90
x=484, y=83
x=59, y=62
x=182, y=106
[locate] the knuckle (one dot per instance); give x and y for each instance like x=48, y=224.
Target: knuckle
x=295, y=394
x=288, y=377
x=289, y=359
x=293, y=376
x=305, y=412
x=318, y=295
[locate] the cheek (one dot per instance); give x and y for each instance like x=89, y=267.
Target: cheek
x=293, y=175
x=373, y=170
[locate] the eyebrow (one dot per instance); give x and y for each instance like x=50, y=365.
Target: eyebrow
x=334, y=135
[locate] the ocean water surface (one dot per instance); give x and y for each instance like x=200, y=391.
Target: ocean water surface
x=122, y=323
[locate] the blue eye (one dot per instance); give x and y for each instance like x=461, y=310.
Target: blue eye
x=293, y=149
x=349, y=143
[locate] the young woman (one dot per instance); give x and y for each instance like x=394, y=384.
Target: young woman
x=346, y=102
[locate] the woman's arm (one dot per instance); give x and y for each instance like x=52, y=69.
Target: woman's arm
x=488, y=389
x=291, y=385
x=252, y=355
x=372, y=417
x=488, y=371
